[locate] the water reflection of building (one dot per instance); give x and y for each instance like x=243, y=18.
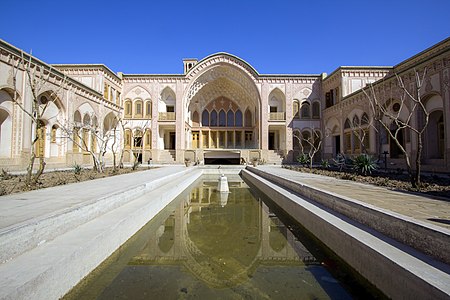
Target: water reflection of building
x=222, y=246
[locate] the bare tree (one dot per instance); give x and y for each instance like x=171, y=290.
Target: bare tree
x=309, y=144
x=360, y=130
x=138, y=141
x=90, y=138
x=37, y=77
x=408, y=113
x=121, y=126
x=115, y=146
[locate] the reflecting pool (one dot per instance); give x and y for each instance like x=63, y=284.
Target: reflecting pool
x=211, y=245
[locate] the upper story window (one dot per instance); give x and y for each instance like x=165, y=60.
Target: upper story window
x=127, y=108
x=248, y=118
x=305, y=110
x=329, y=98
x=205, y=118
x=295, y=109
x=106, y=92
x=117, y=98
x=111, y=94
x=316, y=110
x=148, y=109
x=238, y=118
x=213, y=118
x=138, y=109
x=223, y=119
x=170, y=108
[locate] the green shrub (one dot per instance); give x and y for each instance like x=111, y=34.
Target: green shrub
x=77, y=169
x=364, y=164
x=303, y=159
x=339, y=161
x=325, y=163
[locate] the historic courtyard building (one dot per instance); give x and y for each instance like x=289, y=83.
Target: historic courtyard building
x=220, y=110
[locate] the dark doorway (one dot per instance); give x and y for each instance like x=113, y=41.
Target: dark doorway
x=222, y=158
x=337, y=145
x=138, y=157
x=222, y=161
x=172, y=140
x=138, y=147
x=271, y=140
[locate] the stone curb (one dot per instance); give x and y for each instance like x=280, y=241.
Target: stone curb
x=427, y=238
x=84, y=248
x=19, y=238
x=398, y=272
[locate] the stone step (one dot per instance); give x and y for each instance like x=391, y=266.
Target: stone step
x=274, y=157
x=167, y=156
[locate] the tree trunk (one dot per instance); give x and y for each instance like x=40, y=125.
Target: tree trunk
x=40, y=170
x=114, y=151
x=30, y=167
x=418, y=160
x=97, y=164
x=121, y=159
x=411, y=175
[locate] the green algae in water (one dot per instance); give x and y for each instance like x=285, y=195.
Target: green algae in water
x=211, y=245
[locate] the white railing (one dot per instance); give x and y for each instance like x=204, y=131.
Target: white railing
x=277, y=116
x=166, y=116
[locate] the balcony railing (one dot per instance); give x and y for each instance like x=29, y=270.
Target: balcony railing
x=166, y=116
x=277, y=116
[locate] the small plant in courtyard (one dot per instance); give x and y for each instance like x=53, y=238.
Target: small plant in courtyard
x=304, y=159
x=325, y=163
x=187, y=161
x=77, y=169
x=341, y=161
x=364, y=164
x=5, y=174
x=255, y=161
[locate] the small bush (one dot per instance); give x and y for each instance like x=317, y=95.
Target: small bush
x=364, y=164
x=77, y=169
x=339, y=161
x=325, y=163
x=303, y=159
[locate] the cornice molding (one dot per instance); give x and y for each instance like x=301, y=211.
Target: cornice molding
x=424, y=55
x=8, y=52
x=94, y=67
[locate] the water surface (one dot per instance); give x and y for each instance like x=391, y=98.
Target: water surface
x=211, y=245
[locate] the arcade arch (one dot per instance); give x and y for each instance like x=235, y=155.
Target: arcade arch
x=222, y=113
x=6, y=108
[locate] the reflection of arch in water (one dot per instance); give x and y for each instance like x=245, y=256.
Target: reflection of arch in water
x=219, y=271
x=210, y=246
x=277, y=235
x=233, y=273
x=167, y=238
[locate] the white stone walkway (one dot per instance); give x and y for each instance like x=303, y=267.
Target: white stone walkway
x=408, y=204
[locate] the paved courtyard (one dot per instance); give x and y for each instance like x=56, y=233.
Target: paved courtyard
x=407, y=204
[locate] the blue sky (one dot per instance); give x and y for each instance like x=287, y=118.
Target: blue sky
x=275, y=37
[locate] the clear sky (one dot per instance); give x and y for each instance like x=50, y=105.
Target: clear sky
x=275, y=37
